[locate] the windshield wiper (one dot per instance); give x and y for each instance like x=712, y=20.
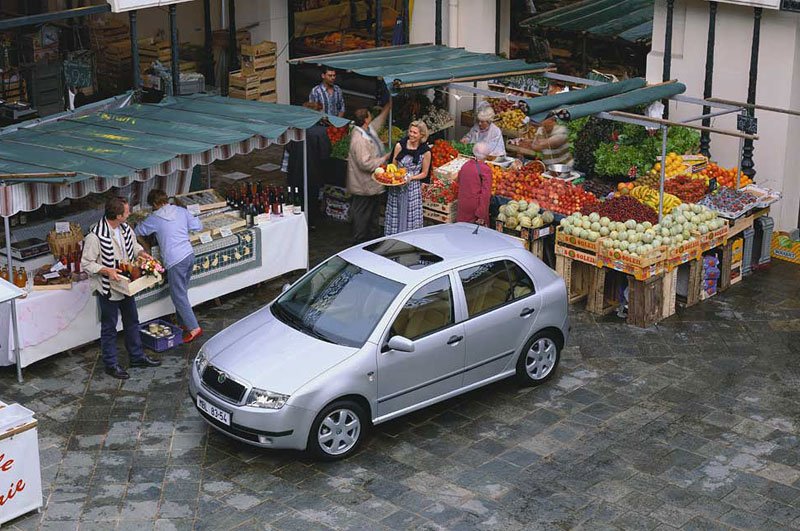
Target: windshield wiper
x=296, y=323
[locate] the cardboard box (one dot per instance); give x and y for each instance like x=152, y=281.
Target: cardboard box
x=784, y=248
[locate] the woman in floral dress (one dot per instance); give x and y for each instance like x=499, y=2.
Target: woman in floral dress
x=404, y=203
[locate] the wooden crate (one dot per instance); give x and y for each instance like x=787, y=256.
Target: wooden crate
x=570, y=240
x=714, y=238
x=725, y=266
x=268, y=97
x=248, y=94
x=694, y=284
x=267, y=86
x=669, y=299
x=205, y=199
x=602, y=298
x=536, y=248
x=577, y=276
x=441, y=212
x=645, y=301
x=263, y=66
x=242, y=81
x=260, y=49
x=740, y=225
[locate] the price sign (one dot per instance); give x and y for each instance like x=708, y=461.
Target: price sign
x=712, y=184
x=62, y=226
x=225, y=232
x=58, y=266
x=747, y=124
x=193, y=209
x=51, y=276
x=206, y=238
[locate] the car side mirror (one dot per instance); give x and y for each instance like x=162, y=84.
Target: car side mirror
x=285, y=287
x=401, y=344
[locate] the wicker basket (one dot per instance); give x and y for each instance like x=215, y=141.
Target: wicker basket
x=65, y=242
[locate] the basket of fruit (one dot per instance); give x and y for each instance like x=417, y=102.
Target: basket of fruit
x=391, y=175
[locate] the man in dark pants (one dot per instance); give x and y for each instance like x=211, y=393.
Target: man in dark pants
x=108, y=243
x=366, y=154
x=319, y=153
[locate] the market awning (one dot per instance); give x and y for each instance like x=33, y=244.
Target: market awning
x=629, y=20
x=600, y=98
x=423, y=65
x=114, y=147
x=538, y=108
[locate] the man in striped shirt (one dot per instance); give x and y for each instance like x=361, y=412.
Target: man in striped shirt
x=552, y=141
x=328, y=94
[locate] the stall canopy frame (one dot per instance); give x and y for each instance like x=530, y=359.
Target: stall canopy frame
x=91, y=152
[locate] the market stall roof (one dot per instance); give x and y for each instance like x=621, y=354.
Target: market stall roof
x=629, y=20
x=144, y=140
x=423, y=65
x=601, y=98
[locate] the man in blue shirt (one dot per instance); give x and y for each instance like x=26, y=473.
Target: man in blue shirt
x=171, y=225
x=328, y=94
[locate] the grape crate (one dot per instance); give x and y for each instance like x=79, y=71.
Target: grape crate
x=205, y=199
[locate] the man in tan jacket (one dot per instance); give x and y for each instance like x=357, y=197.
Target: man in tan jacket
x=366, y=154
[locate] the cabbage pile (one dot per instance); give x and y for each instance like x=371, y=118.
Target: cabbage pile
x=521, y=214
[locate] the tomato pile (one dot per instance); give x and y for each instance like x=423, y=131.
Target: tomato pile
x=621, y=208
x=515, y=184
x=439, y=191
x=335, y=134
x=725, y=177
x=561, y=197
x=686, y=189
x=442, y=152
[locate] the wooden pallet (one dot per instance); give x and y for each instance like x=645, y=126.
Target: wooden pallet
x=576, y=275
x=645, y=301
x=602, y=297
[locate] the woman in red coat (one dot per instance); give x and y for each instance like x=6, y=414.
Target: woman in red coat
x=475, y=188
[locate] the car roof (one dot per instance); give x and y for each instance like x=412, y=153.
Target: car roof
x=456, y=243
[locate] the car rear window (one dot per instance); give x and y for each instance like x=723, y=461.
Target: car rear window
x=403, y=253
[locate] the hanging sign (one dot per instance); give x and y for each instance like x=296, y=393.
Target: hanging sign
x=790, y=5
x=767, y=4
x=747, y=124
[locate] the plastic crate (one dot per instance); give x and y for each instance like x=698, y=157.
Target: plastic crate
x=762, y=246
x=160, y=344
x=747, y=255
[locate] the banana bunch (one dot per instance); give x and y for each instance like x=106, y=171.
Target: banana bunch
x=649, y=197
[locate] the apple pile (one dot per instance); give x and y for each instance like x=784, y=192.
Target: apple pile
x=516, y=184
x=561, y=197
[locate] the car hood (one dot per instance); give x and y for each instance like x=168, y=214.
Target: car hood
x=264, y=352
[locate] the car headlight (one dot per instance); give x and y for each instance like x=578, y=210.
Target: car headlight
x=266, y=399
x=201, y=361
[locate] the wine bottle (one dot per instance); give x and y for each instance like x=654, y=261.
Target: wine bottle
x=249, y=215
x=24, y=277
x=273, y=201
x=285, y=203
x=297, y=205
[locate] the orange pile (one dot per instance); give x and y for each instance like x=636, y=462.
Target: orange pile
x=725, y=177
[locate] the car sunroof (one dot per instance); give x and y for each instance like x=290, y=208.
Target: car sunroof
x=403, y=253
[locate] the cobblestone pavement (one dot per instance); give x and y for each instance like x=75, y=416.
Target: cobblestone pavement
x=690, y=424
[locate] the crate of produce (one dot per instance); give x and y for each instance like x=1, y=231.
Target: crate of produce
x=216, y=223
x=441, y=212
x=46, y=280
x=576, y=254
x=205, y=199
x=130, y=287
x=570, y=240
x=680, y=254
x=639, y=267
x=159, y=335
x=449, y=172
x=714, y=238
x=784, y=247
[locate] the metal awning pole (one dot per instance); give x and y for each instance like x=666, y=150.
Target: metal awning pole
x=137, y=75
x=664, y=133
x=208, y=174
x=391, y=146
x=173, y=38
x=305, y=195
x=14, y=327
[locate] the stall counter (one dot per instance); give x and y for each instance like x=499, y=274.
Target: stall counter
x=55, y=321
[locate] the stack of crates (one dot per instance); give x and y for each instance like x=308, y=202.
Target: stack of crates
x=763, y=239
x=747, y=251
x=256, y=79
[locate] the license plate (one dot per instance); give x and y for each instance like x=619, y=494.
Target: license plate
x=213, y=411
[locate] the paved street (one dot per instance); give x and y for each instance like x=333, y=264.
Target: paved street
x=691, y=424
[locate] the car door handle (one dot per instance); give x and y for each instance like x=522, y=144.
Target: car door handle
x=454, y=340
x=527, y=311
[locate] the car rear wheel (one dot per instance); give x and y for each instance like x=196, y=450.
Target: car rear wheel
x=337, y=431
x=539, y=358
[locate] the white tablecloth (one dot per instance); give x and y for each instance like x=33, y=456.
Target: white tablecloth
x=54, y=321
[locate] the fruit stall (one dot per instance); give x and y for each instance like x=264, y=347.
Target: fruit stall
x=650, y=225
x=79, y=163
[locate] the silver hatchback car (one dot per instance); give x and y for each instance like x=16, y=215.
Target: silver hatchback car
x=380, y=330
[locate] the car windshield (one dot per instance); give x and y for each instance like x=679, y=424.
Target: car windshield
x=338, y=302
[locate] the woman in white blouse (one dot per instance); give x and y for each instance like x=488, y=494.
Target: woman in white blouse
x=486, y=132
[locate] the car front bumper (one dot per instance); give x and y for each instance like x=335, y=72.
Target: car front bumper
x=284, y=428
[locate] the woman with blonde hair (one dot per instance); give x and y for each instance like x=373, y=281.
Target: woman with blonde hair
x=404, y=203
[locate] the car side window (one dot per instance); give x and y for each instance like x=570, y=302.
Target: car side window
x=428, y=310
x=491, y=285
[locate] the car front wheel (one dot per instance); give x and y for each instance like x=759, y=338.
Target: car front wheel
x=539, y=358
x=337, y=431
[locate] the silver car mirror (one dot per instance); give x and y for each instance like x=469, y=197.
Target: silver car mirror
x=285, y=287
x=401, y=344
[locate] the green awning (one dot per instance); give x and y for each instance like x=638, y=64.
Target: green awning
x=537, y=108
x=144, y=140
x=627, y=100
x=629, y=20
x=423, y=65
